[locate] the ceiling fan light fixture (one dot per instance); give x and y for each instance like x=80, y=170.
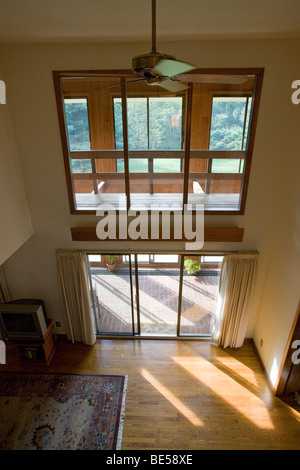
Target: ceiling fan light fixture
x=165, y=71
x=147, y=62
x=155, y=67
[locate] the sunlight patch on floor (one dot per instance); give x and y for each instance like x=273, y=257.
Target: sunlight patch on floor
x=176, y=402
x=247, y=404
x=238, y=369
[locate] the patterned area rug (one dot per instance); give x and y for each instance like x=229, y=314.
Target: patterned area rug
x=61, y=412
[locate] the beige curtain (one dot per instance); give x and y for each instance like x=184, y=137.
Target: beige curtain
x=235, y=289
x=4, y=292
x=73, y=272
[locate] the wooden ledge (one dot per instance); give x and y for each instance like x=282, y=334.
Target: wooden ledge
x=211, y=234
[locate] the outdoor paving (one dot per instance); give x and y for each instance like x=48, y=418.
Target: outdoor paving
x=158, y=297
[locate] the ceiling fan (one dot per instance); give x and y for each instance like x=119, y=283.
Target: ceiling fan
x=165, y=71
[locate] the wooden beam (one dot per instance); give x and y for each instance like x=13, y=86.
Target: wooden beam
x=211, y=234
x=156, y=176
x=203, y=154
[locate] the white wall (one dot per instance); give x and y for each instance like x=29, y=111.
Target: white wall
x=271, y=219
x=15, y=221
x=281, y=293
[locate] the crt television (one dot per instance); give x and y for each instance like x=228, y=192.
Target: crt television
x=23, y=319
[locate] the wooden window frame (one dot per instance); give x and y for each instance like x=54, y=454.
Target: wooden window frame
x=123, y=74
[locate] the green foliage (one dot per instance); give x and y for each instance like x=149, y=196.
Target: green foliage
x=229, y=130
x=78, y=125
x=152, y=124
x=227, y=124
x=192, y=266
x=156, y=123
x=78, y=133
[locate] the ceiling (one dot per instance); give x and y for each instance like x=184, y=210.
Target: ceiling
x=130, y=20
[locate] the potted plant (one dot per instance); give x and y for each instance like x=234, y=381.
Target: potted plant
x=192, y=266
x=111, y=262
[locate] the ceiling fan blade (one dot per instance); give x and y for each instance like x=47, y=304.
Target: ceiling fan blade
x=169, y=68
x=205, y=78
x=173, y=85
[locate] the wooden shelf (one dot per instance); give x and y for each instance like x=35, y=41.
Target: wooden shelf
x=211, y=234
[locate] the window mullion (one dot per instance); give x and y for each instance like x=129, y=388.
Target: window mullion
x=125, y=140
x=187, y=144
x=244, y=129
x=150, y=160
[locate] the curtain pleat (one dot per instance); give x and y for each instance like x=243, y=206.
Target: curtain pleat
x=4, y=292
x=236, y=285
x=73, y=272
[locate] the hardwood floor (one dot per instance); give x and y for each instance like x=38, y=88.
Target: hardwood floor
x=184, y=395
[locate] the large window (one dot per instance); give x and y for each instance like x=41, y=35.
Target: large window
x=127, y=144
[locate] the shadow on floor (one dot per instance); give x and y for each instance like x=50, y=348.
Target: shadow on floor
x=292, y=399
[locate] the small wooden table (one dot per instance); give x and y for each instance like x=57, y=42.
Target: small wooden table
x=35, y=349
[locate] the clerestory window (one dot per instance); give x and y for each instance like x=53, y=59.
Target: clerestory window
x=130, y=145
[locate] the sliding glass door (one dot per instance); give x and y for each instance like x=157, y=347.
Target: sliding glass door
x=164, y=295
x=159, y=280
x=111, y=294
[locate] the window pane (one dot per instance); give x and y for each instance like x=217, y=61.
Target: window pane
x=137, y=123
x=227, y=123
x=229, y=130
x=159, y=296
x=166, y=258
x=199, y=294
x=136, y=165
x=110, y=290
x=165, y=118
x=81, y=166
x=137, y=132
x=94, y=258
x=77, y=123
x=166, y=165
x=118, y=123
x=225, y=165
x=143, y=258
x=212, y=259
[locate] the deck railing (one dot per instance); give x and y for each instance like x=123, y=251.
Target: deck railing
x=94, y=155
